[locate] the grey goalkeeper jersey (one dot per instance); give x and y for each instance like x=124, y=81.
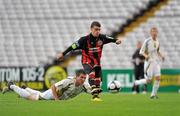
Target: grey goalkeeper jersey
x=66, y=88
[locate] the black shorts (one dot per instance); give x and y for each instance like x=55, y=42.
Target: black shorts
x=88, y=68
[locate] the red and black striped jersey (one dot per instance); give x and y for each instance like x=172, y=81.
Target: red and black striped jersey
x=91, y=48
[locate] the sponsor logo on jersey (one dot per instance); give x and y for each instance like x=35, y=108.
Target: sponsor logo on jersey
x=100, y=43
x=93, y=50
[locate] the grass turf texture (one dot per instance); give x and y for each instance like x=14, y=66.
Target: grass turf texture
x=122, y=104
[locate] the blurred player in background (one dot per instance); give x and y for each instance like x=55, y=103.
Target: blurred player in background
x=138, y=61
x=62, y=90
x=91, y=46
x=151, y=51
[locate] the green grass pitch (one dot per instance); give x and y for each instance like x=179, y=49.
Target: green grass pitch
x=121, y=104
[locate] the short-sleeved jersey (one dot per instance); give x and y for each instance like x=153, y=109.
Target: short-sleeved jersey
x=151, y=47
x=67, y=89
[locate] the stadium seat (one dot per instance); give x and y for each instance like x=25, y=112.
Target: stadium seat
x=33, y=31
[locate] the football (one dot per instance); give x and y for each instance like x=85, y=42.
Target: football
x=114, y=86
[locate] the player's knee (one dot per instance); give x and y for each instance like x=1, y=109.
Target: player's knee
x=157, y=78
x=149, y=80
x=97, y=81
x=33, y=97
x=92, y=75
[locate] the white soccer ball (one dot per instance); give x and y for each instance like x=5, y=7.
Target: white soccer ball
x=114, y=86
x=118, y=84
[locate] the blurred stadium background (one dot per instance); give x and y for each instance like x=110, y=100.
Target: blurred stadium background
x=32, y=32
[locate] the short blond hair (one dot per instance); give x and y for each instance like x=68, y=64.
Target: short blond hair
x=154, y=28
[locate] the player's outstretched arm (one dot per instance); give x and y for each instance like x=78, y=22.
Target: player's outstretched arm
x=60, y=56
x=53, y=88
x=109, y=39
x=76, y=45
x=87, y=88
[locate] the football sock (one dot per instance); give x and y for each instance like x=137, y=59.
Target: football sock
x=155, y=88
x=140, y=82
x=23, y=93
x=32, y=91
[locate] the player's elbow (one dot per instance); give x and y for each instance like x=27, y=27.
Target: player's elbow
x=141, y=53
x=53, y=88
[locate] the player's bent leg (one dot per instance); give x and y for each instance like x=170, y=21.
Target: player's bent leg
x=95, y=81
x=149, y=80
x=145, y=80
x=32, y=91
x=33, y=97
x=47, y=95
x=95, y=85
x=141, y=82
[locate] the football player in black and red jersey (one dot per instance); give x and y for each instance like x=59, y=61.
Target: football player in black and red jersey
x=91, y=46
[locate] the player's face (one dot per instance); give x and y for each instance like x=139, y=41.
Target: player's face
x=154, y=33
x=95, y=30
x=138, y=45
x=80, y=79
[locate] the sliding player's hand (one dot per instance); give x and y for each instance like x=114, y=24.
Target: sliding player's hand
x=118, y=41
x=60, y=56
x=146, y=57
x=163, y=58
